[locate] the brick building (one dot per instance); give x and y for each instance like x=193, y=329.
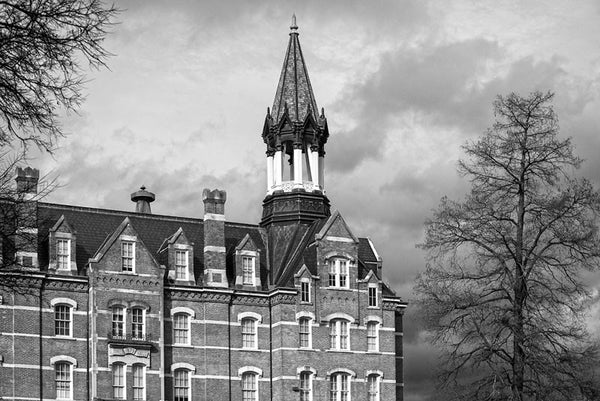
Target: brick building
x=113, y=304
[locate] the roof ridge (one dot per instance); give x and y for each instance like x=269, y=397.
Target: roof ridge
x=96, y=210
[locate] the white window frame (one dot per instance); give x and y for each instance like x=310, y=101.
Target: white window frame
x=125, y=256
x=308, y=319
x=182, y=266
x=249, y=338
x=374, y=396
x=69, y=381
x=187, y=329
x=375, y=346
x=305, y=289
x=375, y=297
x=338, y=278
x=123, y=386
x=336, y=334
x=336, y=386
x=66, y=255
x=135, y=387
x=69, y=320
x=251, y=269
x=143, y=323
x=123, y=323
x=253, y=380
x=188, y=381
x=306, y=393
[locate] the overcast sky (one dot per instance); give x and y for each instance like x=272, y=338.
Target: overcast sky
x=404, y=84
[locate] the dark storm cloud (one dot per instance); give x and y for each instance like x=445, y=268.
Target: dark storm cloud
x=447, y=85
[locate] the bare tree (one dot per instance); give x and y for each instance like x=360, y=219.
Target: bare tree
x=502, y=292
x=42, y=47
x=42, y=44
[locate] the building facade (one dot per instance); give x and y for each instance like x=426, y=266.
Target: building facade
x=107, y=304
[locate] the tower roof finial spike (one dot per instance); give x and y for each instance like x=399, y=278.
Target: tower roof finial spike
x=294, y=27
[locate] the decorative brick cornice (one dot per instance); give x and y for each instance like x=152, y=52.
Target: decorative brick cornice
x=395, y=304
x=250, y=300
x=133, y=282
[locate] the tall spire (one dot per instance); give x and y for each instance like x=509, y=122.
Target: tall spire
x=294, y=88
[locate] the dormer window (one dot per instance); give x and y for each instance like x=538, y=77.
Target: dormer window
x=248, y=272
x=338, y=273
x=63, y=254
x=305, y=291
x=127, y=256
x=181, y=264
x=372, y=296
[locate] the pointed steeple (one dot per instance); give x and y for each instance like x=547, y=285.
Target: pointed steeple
x=294, y=88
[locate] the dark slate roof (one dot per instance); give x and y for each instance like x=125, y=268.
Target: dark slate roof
x=294, y=90
x=93, y=226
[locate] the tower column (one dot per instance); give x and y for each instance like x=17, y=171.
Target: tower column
x=277, y=166
x=297, y=164
x=269, y=170
x=314, y=165
x=322, y=169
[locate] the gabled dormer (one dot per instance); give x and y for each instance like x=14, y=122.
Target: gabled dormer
x=124, y=252
x=247, y=264
x=337, y=254
x=62, y=241
x=305, y=281
x=178, y=251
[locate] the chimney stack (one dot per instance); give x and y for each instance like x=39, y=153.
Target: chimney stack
x=27, y=181
x=142, y=199
x=215, y=274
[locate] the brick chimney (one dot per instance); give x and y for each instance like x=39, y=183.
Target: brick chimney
x=27, y=181
x=142, y=199
x=215, y=274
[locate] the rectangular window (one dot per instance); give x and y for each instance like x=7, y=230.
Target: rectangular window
x=247, y=270
x=304, y=332
x=338, y=273
x=138, y=382
x=63, y=380
x=305, y=386
x=137, y=324
x=118, y=321
x=248, y=333
x=127, y=256
x=339, y=387
x=181, y=385
x=372, y=337
x=373, y=385
x=118, y=371
x=62, y=320
x=181, y=328
x=249, y=387
x=63, y=254
x=181, y=265
x=372, y=296
x=339, y=334
x=304, y=291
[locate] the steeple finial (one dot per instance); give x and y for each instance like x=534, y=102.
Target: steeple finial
x=293, y=27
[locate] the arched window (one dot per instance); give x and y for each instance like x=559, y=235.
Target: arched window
x=62, y=320
x=118, y=381
x=373, y=336
x=304, y=332
x=137, y=324
x=249, y=386
x=373, y=382
x=249, y=333
x=118, y=321
x=338, y=273
x=63, y=380
x=138, y=372
x=339, y=334
x=181, y=328
x=339, y=387
x=181, y=385
x=305, y=386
